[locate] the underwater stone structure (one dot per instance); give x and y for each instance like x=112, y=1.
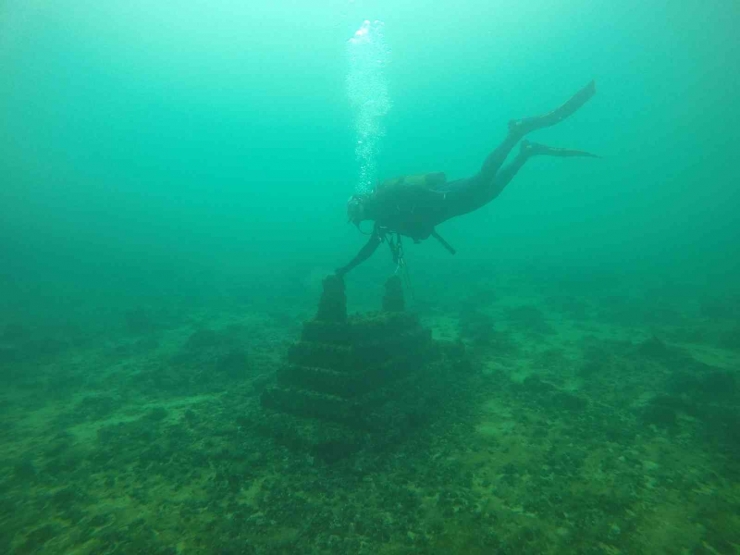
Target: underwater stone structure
x=353, y=380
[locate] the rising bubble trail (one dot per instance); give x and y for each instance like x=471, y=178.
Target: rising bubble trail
x=367, y=88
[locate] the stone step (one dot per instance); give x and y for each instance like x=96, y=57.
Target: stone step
x=329, y=333
x=321, y=380
x=314, y=405
x=402, y=344
x=321, y=355
x=361, y=355
x=382, y=325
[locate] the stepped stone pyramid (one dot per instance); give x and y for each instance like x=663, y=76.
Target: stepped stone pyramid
x=352, y=380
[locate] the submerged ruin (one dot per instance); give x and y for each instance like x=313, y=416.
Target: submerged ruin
x=360, y=381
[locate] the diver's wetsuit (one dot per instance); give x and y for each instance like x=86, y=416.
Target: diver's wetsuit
x=415, y=209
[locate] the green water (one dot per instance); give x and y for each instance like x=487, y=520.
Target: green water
x=188, y=164
x=146, y=140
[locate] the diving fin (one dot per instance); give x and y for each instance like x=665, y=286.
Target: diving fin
x=525, y=125
x=536, y=149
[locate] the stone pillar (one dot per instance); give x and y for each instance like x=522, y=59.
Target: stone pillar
x=333, y=303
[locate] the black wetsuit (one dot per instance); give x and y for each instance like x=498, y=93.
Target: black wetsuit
x=414, y=209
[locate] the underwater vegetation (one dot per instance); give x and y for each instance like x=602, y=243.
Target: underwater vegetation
x=524, y=423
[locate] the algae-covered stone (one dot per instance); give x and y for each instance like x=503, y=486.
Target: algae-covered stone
x=333, y=302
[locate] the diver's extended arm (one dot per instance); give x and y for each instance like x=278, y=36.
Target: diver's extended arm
x=366, y=252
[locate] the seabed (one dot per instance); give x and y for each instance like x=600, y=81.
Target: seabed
x=520, y=423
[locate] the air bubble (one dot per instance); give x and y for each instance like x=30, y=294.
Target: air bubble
x=367, y=89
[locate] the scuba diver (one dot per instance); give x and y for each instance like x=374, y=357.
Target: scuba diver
x=412, y=206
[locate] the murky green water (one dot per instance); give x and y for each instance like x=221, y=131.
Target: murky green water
x=173, y=188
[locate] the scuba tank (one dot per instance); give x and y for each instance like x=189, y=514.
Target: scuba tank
x=431, y=181
x=425, y=180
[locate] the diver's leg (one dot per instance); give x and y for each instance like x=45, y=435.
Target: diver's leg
x=526, y=151
x=519, y=128
x=495, y=160
x=494, y=186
